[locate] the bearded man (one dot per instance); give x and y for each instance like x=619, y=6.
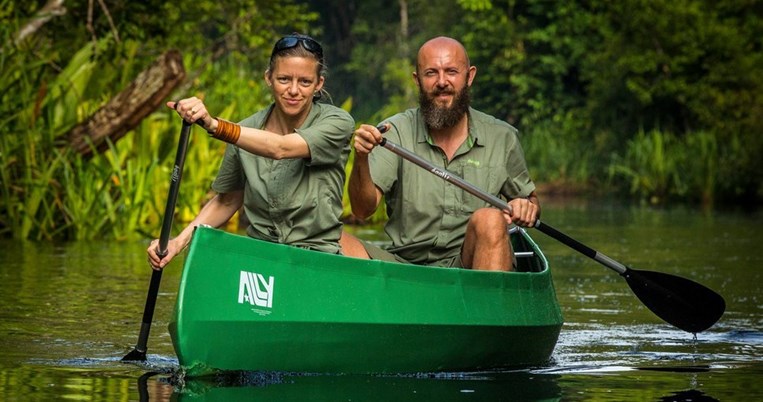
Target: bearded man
x=432, y=222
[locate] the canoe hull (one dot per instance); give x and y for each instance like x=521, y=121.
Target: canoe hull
x=244, y=304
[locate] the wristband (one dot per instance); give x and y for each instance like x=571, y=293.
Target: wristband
x=226, y=131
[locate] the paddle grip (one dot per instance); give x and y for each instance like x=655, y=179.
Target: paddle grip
x=198, y=122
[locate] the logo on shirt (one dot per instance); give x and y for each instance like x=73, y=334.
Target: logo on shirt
x=255, y=289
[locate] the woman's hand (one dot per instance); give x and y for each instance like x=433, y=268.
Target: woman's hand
x=157, y=263
x=193, y=110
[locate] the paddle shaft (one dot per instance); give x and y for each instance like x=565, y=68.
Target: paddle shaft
x=502, y=205
x=164, y=237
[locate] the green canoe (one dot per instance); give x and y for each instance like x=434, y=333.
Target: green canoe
x=245, y=304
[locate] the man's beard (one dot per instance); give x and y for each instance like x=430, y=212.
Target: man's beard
x=437, y=117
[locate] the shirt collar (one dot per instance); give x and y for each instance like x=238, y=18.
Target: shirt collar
x=311, y=115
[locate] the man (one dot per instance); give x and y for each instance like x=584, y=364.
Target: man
x=432, y=222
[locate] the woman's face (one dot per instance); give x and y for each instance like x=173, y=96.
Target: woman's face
x=293, y=82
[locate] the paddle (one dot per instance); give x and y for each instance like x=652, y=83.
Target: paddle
x=681, y=302
x=139, y=353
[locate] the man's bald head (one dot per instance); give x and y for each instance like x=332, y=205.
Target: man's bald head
x=440, y=45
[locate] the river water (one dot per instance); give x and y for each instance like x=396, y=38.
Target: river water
x=71, y=311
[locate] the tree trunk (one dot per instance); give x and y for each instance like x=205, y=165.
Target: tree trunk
x=404, y=33
x=126, y=110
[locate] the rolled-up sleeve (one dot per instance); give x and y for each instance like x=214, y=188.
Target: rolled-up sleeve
x=328, y=137
x=231, y=174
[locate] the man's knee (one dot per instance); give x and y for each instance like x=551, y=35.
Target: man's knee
x=488, y=221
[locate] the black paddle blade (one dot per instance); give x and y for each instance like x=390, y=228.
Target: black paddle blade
x=135, y=356
x=681, y=302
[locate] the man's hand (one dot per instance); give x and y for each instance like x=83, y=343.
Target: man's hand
x=366, y=138
x=523, y=212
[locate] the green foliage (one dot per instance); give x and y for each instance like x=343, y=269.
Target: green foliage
x=677, y=65
x=475, y=5
x=93, y=205
x=397, y=80
x=527, y=59
x=650, y=166
x=658, y=166
x=657, y=99
x=64, y=72
x=558, y=152
x=586, y=79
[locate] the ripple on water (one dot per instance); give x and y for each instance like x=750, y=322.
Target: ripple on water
x=594, y=346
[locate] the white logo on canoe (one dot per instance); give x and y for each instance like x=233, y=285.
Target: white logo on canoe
x=255, y=289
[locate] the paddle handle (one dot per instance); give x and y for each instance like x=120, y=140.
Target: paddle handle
x=500, y=204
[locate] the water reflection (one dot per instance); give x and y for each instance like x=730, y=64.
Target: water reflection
x=691, y=395
x=516, y=386
x=71, y=311
x=509, y=386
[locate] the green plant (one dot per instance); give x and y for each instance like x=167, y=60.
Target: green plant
x=650, y=166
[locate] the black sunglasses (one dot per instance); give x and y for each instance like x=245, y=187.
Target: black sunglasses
x=288, y=42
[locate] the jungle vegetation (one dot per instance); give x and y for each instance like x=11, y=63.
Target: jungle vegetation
x=654, y=101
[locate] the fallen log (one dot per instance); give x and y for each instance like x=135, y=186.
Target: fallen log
x=126, y=110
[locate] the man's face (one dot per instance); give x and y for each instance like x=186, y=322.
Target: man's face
x=444, y=107
x=443, y=76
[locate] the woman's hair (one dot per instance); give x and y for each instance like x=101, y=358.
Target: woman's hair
x=298, y=45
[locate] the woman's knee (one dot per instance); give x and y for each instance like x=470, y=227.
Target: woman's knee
x=352, y=247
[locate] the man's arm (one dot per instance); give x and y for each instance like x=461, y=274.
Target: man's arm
x=364, y=195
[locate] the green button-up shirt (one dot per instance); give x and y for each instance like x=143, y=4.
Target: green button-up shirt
x=294, y=201
x=427, y=215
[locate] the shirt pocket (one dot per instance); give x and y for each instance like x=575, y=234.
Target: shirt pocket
x=483, y=177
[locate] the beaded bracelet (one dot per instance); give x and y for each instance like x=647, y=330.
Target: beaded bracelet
x=227, y=131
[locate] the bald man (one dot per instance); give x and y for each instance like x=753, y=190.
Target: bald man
x=432, y=222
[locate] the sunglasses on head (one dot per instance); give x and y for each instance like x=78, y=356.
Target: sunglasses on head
x=288, y=42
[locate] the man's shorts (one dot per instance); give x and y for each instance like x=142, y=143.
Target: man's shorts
x=378, y=253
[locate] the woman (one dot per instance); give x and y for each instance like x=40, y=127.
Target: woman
x=284, y=164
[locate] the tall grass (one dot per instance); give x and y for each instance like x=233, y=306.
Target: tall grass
x=50, y=192
x=119, y=194
x=702, y=156
x=660, y=166
x=655, y=167
x=90, y=198
x=561, y=153
x=649, y=166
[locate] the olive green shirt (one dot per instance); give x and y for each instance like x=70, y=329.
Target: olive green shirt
x=427, y=215
x=294, y=201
